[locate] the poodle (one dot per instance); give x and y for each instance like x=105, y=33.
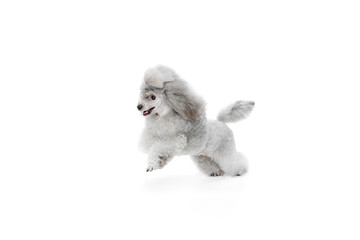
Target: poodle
x=176, y=124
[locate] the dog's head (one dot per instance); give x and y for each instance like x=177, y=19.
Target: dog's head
x=163, y=92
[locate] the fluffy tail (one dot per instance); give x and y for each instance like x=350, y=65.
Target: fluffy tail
x=236, y=111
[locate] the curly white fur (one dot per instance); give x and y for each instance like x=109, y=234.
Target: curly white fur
x=176, y=124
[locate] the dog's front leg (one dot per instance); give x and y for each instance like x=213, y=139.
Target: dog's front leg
x=163, y=151
x=158, y=161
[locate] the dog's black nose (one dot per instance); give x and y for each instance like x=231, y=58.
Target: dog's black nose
x=139, y=107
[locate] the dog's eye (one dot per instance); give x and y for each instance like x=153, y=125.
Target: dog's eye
x=153, y=97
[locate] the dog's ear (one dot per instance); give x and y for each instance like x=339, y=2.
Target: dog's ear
x=157, y=76
x=183, y=100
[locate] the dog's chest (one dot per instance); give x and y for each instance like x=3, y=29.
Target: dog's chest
x=162, y=128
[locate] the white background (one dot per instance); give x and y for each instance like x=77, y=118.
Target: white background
x=69, y=83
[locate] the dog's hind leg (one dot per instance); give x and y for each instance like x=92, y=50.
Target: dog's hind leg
x=207, y=166
x=233, y=164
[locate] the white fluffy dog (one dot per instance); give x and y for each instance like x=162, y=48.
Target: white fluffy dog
x=176, y=124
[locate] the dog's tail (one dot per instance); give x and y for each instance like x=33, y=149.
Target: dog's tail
x=236, y=111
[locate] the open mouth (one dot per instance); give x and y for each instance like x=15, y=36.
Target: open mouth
x=147, y=112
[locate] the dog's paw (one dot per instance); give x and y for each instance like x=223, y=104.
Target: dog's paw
x=157, y=163
x=241, y=172
x=217, y=174
x=153, y=167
